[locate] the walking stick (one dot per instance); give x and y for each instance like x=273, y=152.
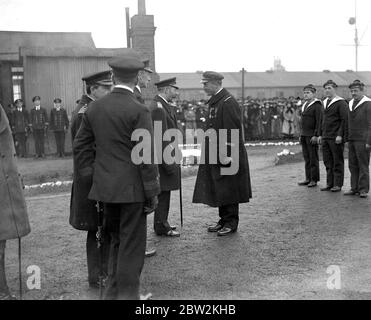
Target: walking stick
x=20, y=267
x=180, y=196
x=99, y=237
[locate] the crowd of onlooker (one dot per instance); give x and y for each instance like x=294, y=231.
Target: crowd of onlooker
x=276, y=118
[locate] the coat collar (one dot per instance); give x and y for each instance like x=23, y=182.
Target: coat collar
x=336, y=98
x=123, y=87
x=305, y=107
x=167, y=106
x=217, y=97
x=363, y=100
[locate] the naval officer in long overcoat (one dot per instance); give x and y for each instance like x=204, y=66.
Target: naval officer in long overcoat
x=213, y=187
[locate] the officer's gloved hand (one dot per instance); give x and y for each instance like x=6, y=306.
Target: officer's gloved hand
x=150, y=205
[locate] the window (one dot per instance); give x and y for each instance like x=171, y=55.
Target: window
x=17, y=86
x=17, y=82
x=17, y=69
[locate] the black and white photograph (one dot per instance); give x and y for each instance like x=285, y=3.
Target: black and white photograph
x=207, y=151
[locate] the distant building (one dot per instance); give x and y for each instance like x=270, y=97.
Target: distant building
x=48, y=64
x=269, y=84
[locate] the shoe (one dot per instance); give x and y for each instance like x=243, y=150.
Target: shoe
x=351, y=193
x=215, y=228
x=173, y=227
x=312, y=184
x=150, y=252
x=336, y=189
x=147, y=296
x=363, y=195
x=170, y=233
x=303, y=183
x=225, y=231
x=326, y=188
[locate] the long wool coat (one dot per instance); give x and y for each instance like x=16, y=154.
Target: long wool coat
x=83, y=212
x=13, y=212
x=213, y=188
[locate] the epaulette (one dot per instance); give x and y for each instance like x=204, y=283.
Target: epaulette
x=227, y=98
x=83, y=109
x=159, y=105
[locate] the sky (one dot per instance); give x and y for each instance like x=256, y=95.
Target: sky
x=221, y=35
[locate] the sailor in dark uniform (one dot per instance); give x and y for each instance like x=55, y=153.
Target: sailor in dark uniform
x=164, y=113
x=359, y=138
x=83, y=212
x=333, y=131
x=59, y=124
x=311, y=121
x=39, y=126
x=20, y=127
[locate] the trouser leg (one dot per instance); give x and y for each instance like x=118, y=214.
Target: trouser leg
x=161, y=224
x=328, y=161
x=62, y=141
x=127, y=250
x=37, y=143
x=57, y=142
x=353, y=166
x=337, y=151
x=229, y=216
x=314, y=160
x=363, y=156
x=306, y=155
x=3, y=284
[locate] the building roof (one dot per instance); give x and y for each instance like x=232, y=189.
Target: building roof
x=278, y=79
x=72, y=52
x=11, y=41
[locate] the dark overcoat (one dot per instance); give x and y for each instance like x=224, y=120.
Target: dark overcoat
x=83, y=212
x=165, y=114
x=13, y=211
x=110, y=123
x=213, y=188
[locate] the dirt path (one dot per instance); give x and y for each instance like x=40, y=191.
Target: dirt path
x=288, y=237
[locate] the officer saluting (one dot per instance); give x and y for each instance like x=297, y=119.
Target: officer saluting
x=83, y=212
x=212, y=187
x=128, y=190
x=359, y=138
x=165, y=114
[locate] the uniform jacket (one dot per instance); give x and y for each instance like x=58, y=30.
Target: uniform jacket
x=13, y=212
x=83, y=212
x=110, y=123
x=359, y=121
x=213, y=188
x=163, y=112
x=334, y=118
x=58, y=120
x=38, y=119
x=138, y=95
x=311, y=118
x=20, y=121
